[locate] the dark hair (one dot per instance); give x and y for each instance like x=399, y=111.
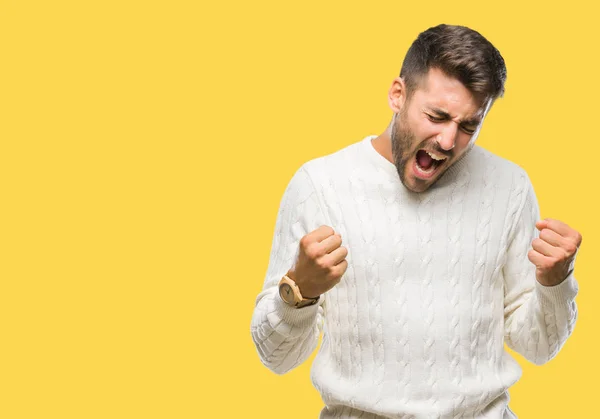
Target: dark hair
x=459, y=52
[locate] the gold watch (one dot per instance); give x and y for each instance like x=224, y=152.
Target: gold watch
x=290, y=293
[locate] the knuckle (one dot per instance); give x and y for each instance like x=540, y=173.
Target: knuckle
x=322, y=263
x=327, y=229
x=340, y=268
x=331, y=275
x=570, y=248
x=337, y=278
x=313, y=251
x=305, y=242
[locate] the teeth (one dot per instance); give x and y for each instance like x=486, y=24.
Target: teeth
x=435, y=156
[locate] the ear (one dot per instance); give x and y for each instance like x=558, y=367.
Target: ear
x=397, y=95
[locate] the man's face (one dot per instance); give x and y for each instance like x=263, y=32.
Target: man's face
x=434, y=130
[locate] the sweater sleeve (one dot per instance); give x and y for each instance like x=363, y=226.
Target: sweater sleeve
x=285, y=336
x=538, y=319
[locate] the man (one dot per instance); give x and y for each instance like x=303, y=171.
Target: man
x=418, y=254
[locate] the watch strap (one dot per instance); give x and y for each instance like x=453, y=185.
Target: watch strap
x=299, y=301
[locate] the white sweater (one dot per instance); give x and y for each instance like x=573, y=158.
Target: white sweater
x=436, y=283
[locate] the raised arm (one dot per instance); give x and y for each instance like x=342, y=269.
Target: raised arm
x=540, y=289
x=309, y=251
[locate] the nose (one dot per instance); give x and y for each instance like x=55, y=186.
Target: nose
x=447, y=138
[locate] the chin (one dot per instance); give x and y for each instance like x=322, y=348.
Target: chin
x=419, y=187
x=414, y=184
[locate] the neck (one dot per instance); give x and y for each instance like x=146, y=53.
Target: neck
x=383, y=144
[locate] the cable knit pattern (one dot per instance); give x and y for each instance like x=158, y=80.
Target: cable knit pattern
x=425, y=232
x=436, y=283
x=482, y=268
x=456, y=207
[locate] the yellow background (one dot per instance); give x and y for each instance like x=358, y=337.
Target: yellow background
x=145, y=147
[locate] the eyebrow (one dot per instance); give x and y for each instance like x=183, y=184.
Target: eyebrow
x=472, y=121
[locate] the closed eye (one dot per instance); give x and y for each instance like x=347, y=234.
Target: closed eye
x=434, y=119
x=442, y=119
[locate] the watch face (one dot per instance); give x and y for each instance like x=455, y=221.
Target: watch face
x=287, y=293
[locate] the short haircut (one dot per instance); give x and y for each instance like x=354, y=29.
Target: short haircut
x=459, y=52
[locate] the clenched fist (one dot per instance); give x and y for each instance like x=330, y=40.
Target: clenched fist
x=553, y=252
x=321, y=262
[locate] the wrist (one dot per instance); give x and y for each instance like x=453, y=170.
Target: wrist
x=305, y=294
x=291, y=294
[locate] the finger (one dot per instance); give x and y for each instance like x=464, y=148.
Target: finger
x=337, y=256
x=552, y=237
x=559, y=227
x=331, y=243
x=339, y=269
x=546, y=248
x=320, y=234
x=570, y=235
x=539, y=260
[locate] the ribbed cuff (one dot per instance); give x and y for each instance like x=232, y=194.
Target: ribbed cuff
x=562, y=293
x=300, y=317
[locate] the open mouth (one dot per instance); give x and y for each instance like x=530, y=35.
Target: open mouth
x=427, y=163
